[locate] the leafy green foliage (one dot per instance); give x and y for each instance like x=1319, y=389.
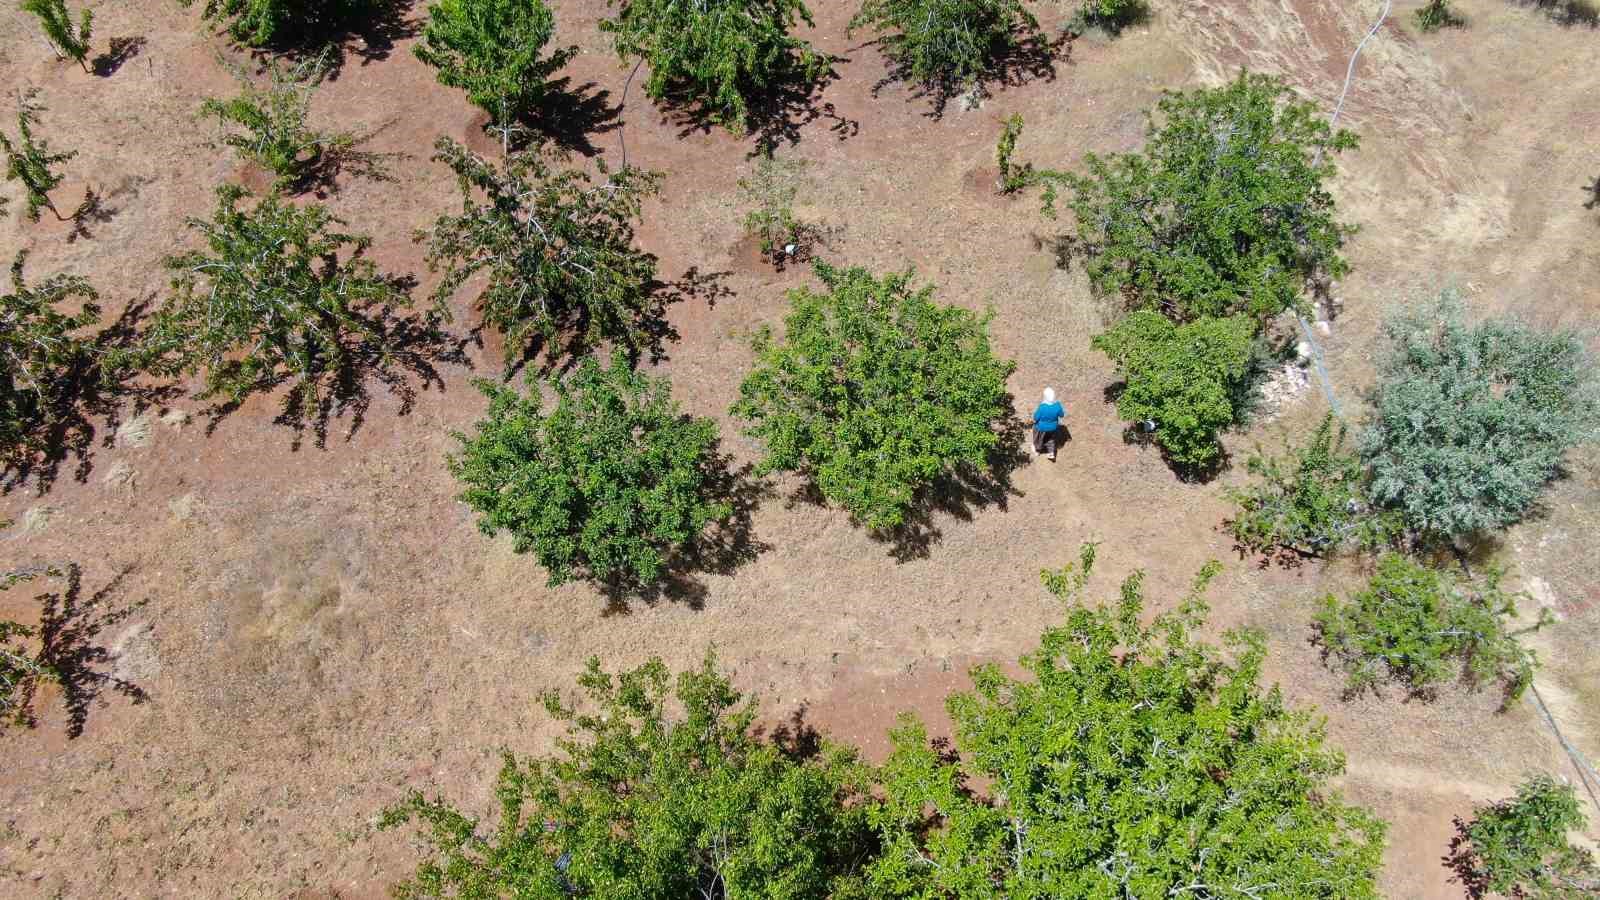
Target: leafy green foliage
x=1519, y=847
x=1224, y=213
x=556, y=253
x=1311, y=502
x=640, y=804
x=1135, y=762
x=69, y=41
x=491, y=49
x=269, y=300
x=874, y=392
x=1110, y=15
x=29, y=160
x=770, y=191
x=42, y=359
x=1016, y=176
x=20, y=669
x=276, y=23
x=946, y=45
x=272, y=121
x=1187, y=379
x=1419, y=626
x=719, y=55
x=605, y=486
x=1436, y=14
x=1470, y=421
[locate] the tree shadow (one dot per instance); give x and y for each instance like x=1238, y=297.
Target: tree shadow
x=118, y=52
x=960, y=492
x=369, y=38
x=1593, y=190
x=97, y=208
x=401, y=352
x=569, y=116
x=720, y=550
x=1463, y=863
x=777, y=111
x=68, y=627
x=1568, y=13
x=1032, y=57
x=93, y=394
x=321, y=175
x=797, y=739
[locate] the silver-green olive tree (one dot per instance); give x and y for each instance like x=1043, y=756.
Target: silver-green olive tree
x=1470, y=420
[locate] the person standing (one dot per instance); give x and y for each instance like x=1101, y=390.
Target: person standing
x=1047, y=426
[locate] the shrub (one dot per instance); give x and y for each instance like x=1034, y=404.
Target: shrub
x=1436, y=14
x=557, y=255
x=1133, y=761
x=874, y=392
x=638, y=803
x=1224, y=213
x=1519, y=847
x=605, y=486
x=946, y=45
x=1567, y=12
x=29, y=160
x=1110, y=15
x=276, y=23
x=270, y=300
x=491, y=49
x=1419, y=626
x=68, y=40
x=274, y=134
x=1470, y=421
x=43, y=360
x=721, y=56
x=1188, y=380
x=1311, y=502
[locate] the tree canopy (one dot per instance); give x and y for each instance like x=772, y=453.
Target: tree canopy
x=43, y=358
x=1135, y=761
x=719, y=57
x=874, y=392
x=492, y=49
x=276, y=23
x=644, y=803
x=1225, y=212
x=606, y=486
x=1519, y=847
x=1189, y=379
x=1470, y=421
x=946, y=45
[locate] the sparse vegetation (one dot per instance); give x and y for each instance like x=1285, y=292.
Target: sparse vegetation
x=874, y=392
x=268, y=124
x=1436, y=14
x=769, y=191
x=1185, y=380
x=557, y=254
x=1519, y=846
x=1225, y=212
x=70, y=41
x=1419, y=626
x=44, y=359
x=20, y=669
x=29, y=160
x=493, y=50
x=1568, y=12
x=643, y=802
x=269, y=299
x=279, y=23
x=946, y=46
x=722, y=58
x=1133, y=761
x=1111, y=16
x=1311, y=501
x=606, y=486
x=1471, y=420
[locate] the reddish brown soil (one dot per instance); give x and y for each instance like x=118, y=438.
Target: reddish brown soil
x=326, y=629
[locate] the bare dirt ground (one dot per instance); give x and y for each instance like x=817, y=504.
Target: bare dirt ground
x=323, y=630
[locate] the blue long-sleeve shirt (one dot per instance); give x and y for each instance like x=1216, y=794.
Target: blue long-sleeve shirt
x=1048, y=416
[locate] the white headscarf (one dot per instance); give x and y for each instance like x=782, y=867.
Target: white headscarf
x=1049, y=395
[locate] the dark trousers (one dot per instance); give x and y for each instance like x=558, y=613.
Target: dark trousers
x=1045, y=441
